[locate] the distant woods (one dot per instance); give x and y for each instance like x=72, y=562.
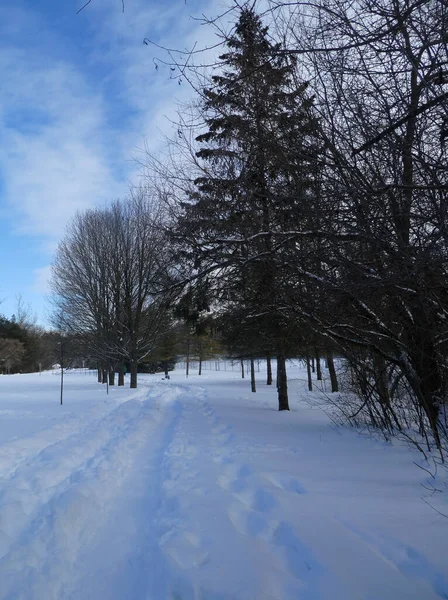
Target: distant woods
x=300, y=211
x=25, y=347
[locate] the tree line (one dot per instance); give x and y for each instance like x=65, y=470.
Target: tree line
x=299, y=211
x=24, y=346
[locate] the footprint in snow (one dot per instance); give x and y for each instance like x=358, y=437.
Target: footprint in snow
x=297, y=557
x=184, y=547
x=233, y=478
x=260, y=499
x=286, y=482
x=246, y=521
x=222, y=432
x=221, y=428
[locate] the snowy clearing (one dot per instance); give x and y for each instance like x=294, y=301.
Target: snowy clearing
x=198, y=489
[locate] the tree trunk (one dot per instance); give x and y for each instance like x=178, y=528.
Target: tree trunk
x=187, y=366
x=269, y=370
x=313, y=368
x=308, y=372
x=133, y=369
x=104, y=376
x=121, y=374
x=332, y=371
x=318, y=367
x=200, y=365
x=111, y=376
x=252, y=375
x=242, y=368
x=100, y=375
x=282, y=383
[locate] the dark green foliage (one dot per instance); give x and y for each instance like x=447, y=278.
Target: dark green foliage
x=29, y=359
x=259, y=152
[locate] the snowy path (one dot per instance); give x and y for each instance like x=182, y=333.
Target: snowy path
x=199, y=490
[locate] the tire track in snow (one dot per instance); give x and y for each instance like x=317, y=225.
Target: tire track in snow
x=64, y=518
x=58, y=467
x=134, y=566
x=17, y=453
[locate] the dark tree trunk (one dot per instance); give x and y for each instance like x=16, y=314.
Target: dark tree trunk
x=187, y=366
x=282, y=383
x=100, y=375
x=308, y=372
x=269, y=370
x=111, y=376
x=382, y=387
x=318, y=367
x=121, y=374
x=133, y=369
x=332, y=371
x=313, y=368
x=104, y=376
x=242, y=368
x=200, y=356
x=252, y=375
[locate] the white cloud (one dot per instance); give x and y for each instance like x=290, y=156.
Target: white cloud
x=74, y=112
x=54, y=155
x=151, y=93
x=66, y=143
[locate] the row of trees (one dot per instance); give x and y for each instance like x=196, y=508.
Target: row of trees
x=379, y=72
x=303, y=203
x=110, y=278
x=316, y=194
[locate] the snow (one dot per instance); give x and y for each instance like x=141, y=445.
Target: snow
x=198, y=489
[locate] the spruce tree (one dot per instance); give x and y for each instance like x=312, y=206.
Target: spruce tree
x=258, y=153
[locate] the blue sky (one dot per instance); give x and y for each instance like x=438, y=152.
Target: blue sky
x=79, y=98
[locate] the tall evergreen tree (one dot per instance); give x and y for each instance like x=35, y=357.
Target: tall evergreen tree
x=258, y=157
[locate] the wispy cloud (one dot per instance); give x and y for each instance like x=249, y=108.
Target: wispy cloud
x=54, y=155
x=77, y=103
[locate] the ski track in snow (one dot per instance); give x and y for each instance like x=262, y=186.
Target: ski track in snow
x=164, y=496
x=53, y=504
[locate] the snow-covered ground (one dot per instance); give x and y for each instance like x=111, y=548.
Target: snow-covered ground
x=198, y=489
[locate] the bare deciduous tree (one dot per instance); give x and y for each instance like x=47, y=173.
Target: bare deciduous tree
x=110, y=277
